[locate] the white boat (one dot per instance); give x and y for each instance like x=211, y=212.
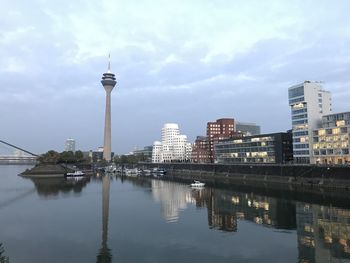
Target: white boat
x=197, y=184
x=75, y=174
x=132, y=172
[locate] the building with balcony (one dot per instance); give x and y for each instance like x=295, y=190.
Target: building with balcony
x=263, y=148
x=308, y=102
x=331, y=141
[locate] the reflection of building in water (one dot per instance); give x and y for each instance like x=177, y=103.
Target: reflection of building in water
x=224, y=208
x=104, y=254
x=323, y=233
x=172, y=197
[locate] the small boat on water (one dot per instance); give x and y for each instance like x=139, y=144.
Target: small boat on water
x=158, y=172
x=75, y=174
x=197, y=184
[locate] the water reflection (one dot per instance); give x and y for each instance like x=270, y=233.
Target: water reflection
x=48, y=187
x=104, y=254
x=172, y=197
x=226, y=207
x=323, y=232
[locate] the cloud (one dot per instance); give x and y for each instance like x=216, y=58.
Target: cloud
x=185, y=61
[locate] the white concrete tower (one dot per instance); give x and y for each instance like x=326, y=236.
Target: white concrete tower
x=108, y=81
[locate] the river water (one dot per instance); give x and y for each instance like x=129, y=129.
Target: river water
x=107, y=219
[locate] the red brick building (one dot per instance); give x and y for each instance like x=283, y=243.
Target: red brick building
x=200, y=150
x=203, y=150
x=218, y=130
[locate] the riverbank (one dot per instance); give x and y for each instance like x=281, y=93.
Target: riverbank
x=301, y=178
x=45, y=171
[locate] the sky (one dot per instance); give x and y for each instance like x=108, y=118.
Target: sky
x=183, y=61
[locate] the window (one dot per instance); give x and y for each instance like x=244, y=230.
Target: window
x=296, y=92
x=340, y=123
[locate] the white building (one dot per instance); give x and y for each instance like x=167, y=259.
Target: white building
x=157, y=152
x=308, y=102
x=173, y=147
x=69, y=145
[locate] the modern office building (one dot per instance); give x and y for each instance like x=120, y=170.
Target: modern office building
x=146, y=152
x=200, y=150
x=248, y=128
x=308, y=102
x=173, y=147
x=263, y=148
x=331, y=141
x=69, y=145
x=219, y=130
x=108, y=81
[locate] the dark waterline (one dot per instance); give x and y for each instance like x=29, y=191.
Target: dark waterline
x=142, y=220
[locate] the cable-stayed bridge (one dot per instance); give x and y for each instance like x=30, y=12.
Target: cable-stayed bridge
x=12, y=154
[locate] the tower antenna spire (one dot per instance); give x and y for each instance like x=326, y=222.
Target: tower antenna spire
x=109, y=63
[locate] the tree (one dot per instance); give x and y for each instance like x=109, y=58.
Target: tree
x=51, y=157
x=67, y=157
x=3, y=259
x=79, y=156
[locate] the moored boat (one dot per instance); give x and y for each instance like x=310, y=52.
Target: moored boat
x=75, y=174
x=197, y=184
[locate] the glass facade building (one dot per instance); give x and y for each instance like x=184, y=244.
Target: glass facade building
x=331, y=143
x=264, y=148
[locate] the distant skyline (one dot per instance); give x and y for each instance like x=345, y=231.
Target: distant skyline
x=185, y=61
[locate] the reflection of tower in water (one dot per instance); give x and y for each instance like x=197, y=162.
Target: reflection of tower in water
x=104, y=254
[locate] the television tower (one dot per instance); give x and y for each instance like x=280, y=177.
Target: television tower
x=108, y=81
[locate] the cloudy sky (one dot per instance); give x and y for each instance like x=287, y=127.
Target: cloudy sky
x=184, y=61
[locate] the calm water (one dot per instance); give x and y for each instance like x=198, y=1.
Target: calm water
x=110, y=220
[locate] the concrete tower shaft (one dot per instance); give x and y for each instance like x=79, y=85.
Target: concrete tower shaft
x=108, y=81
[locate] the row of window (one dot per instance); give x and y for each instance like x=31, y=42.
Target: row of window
x=303, y=152
x=292, y=101
x=299, y=122
x=335, y=138
x=300, y=133
x=332, y=152
x=298, y=111
x=246, y=154
x=296, y=92
x=331, y=145
x=336, y=130
x=247, y=160
x=245, y=149
x=298, y=117
x=301, y=146
x=244, y=145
